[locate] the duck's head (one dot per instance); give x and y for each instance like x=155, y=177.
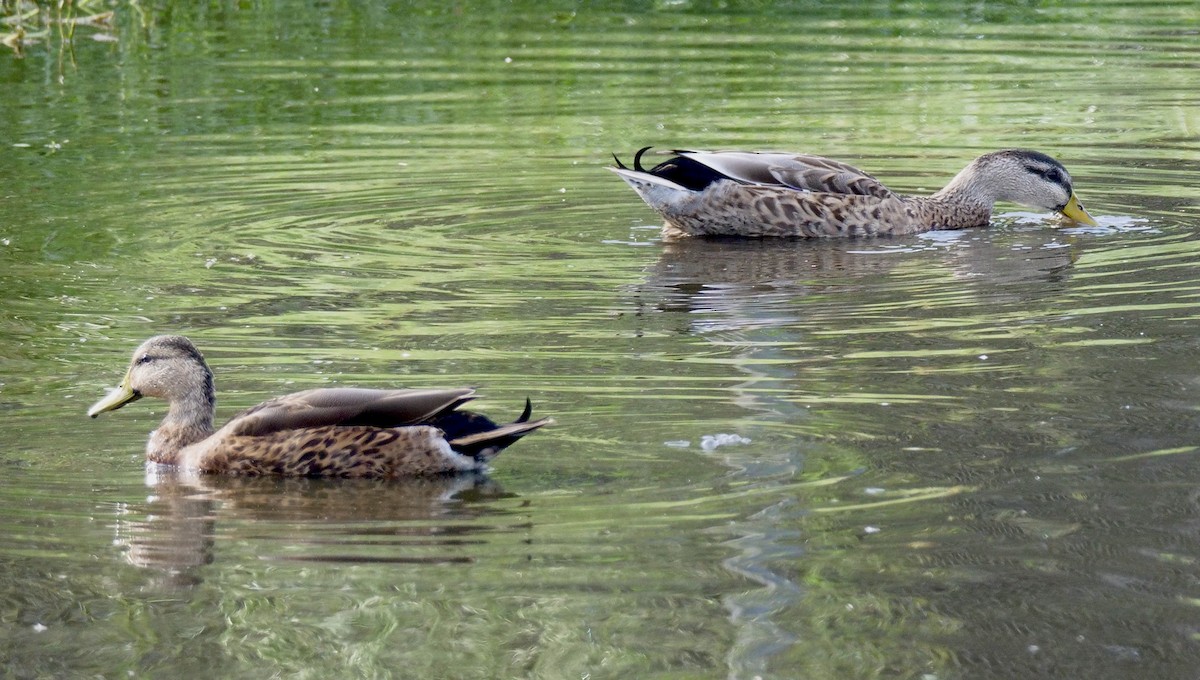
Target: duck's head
x=1029, y=178
x=165, y=366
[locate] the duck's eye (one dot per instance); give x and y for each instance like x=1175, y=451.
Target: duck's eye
x=145, y=359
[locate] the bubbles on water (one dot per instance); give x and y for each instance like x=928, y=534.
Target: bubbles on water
x=1107, y=224
x=710, y=442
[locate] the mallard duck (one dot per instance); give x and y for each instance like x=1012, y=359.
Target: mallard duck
x=331, y=432
x=737, y=193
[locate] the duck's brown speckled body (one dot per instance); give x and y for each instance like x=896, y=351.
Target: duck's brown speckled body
x=334, y=432
x=737, y=193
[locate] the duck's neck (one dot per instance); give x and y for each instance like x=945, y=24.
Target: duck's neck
x=964, y=202
x=189, y=420
x=939, y=212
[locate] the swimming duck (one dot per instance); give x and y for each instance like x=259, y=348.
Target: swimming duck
x=738, y=193
x=330, y=432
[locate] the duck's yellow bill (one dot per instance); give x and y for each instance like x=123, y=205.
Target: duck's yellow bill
x=120, y=396
x=1074, y=210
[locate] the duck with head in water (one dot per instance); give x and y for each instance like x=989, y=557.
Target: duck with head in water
x=739, y=193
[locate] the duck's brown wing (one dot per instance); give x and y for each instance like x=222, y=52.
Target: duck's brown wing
x=347, y=406
x=802, y=172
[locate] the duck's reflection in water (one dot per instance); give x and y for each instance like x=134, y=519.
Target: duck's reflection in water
x=187, y=517
x=744, y=267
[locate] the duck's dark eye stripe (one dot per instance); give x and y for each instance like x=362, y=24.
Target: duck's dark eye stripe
x=1048, y=174
x=1035, y=170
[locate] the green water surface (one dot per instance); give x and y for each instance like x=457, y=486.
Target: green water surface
x=958, y=455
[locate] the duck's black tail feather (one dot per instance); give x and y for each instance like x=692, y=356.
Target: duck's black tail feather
x=680, y=169
x=475, y=435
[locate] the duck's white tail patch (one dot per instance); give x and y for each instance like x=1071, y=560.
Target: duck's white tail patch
x=454, y=459
x=661, y=194
x=638, y=180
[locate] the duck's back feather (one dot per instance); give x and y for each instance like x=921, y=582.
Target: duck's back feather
x=802, y=172
x=347, y=406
